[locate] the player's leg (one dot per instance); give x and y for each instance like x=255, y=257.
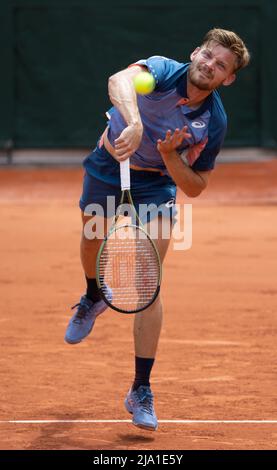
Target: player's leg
x=147, y=324
x=94, y=206
x=91, y=304
x=147, y=328
x=89, y=246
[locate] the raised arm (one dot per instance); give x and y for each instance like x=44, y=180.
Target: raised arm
x=123, y=96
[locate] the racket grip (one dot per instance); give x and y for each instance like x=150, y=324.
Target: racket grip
x=125, y=174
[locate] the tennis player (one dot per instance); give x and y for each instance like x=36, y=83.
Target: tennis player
x=172, y=137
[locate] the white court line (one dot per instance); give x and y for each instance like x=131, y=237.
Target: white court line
x=165, y=421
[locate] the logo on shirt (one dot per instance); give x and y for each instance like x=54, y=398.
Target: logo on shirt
x=170, y=203
x=198, y=124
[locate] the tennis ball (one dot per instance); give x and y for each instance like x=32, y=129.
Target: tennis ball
x=144, y=83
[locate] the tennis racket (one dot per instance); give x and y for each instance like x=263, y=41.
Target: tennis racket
x=128, y=266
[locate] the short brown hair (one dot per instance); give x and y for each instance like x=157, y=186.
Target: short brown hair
x=231, y=41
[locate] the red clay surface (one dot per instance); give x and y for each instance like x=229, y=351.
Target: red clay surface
x=217, y=354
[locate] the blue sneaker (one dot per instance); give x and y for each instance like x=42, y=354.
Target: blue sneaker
x=140, y=404
x=83, y=320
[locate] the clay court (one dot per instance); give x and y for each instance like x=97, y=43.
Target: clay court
x=217, y=355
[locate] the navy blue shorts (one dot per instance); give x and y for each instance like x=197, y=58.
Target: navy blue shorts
x=152, y=193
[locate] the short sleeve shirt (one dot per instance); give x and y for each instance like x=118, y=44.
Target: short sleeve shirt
x=165, y=108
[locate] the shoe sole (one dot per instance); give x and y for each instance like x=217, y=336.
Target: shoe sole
x=77, y=342
x=146, y=428
x=138, y=425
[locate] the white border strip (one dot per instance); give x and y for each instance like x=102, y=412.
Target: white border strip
x=163, y=421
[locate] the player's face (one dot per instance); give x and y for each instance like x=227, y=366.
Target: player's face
x=212, y=65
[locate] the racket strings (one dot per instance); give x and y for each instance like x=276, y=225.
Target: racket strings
x=129, y=266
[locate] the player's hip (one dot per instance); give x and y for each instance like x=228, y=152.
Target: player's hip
x=152, y=195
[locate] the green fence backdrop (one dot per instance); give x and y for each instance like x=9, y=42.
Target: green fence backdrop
x=57, y=57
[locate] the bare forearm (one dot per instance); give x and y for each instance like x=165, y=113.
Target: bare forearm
x=122, y=94
x=191, y=183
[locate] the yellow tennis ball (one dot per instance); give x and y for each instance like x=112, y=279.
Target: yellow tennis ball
x=144, y=83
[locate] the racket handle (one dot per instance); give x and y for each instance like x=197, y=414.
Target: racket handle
x=125, y=174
